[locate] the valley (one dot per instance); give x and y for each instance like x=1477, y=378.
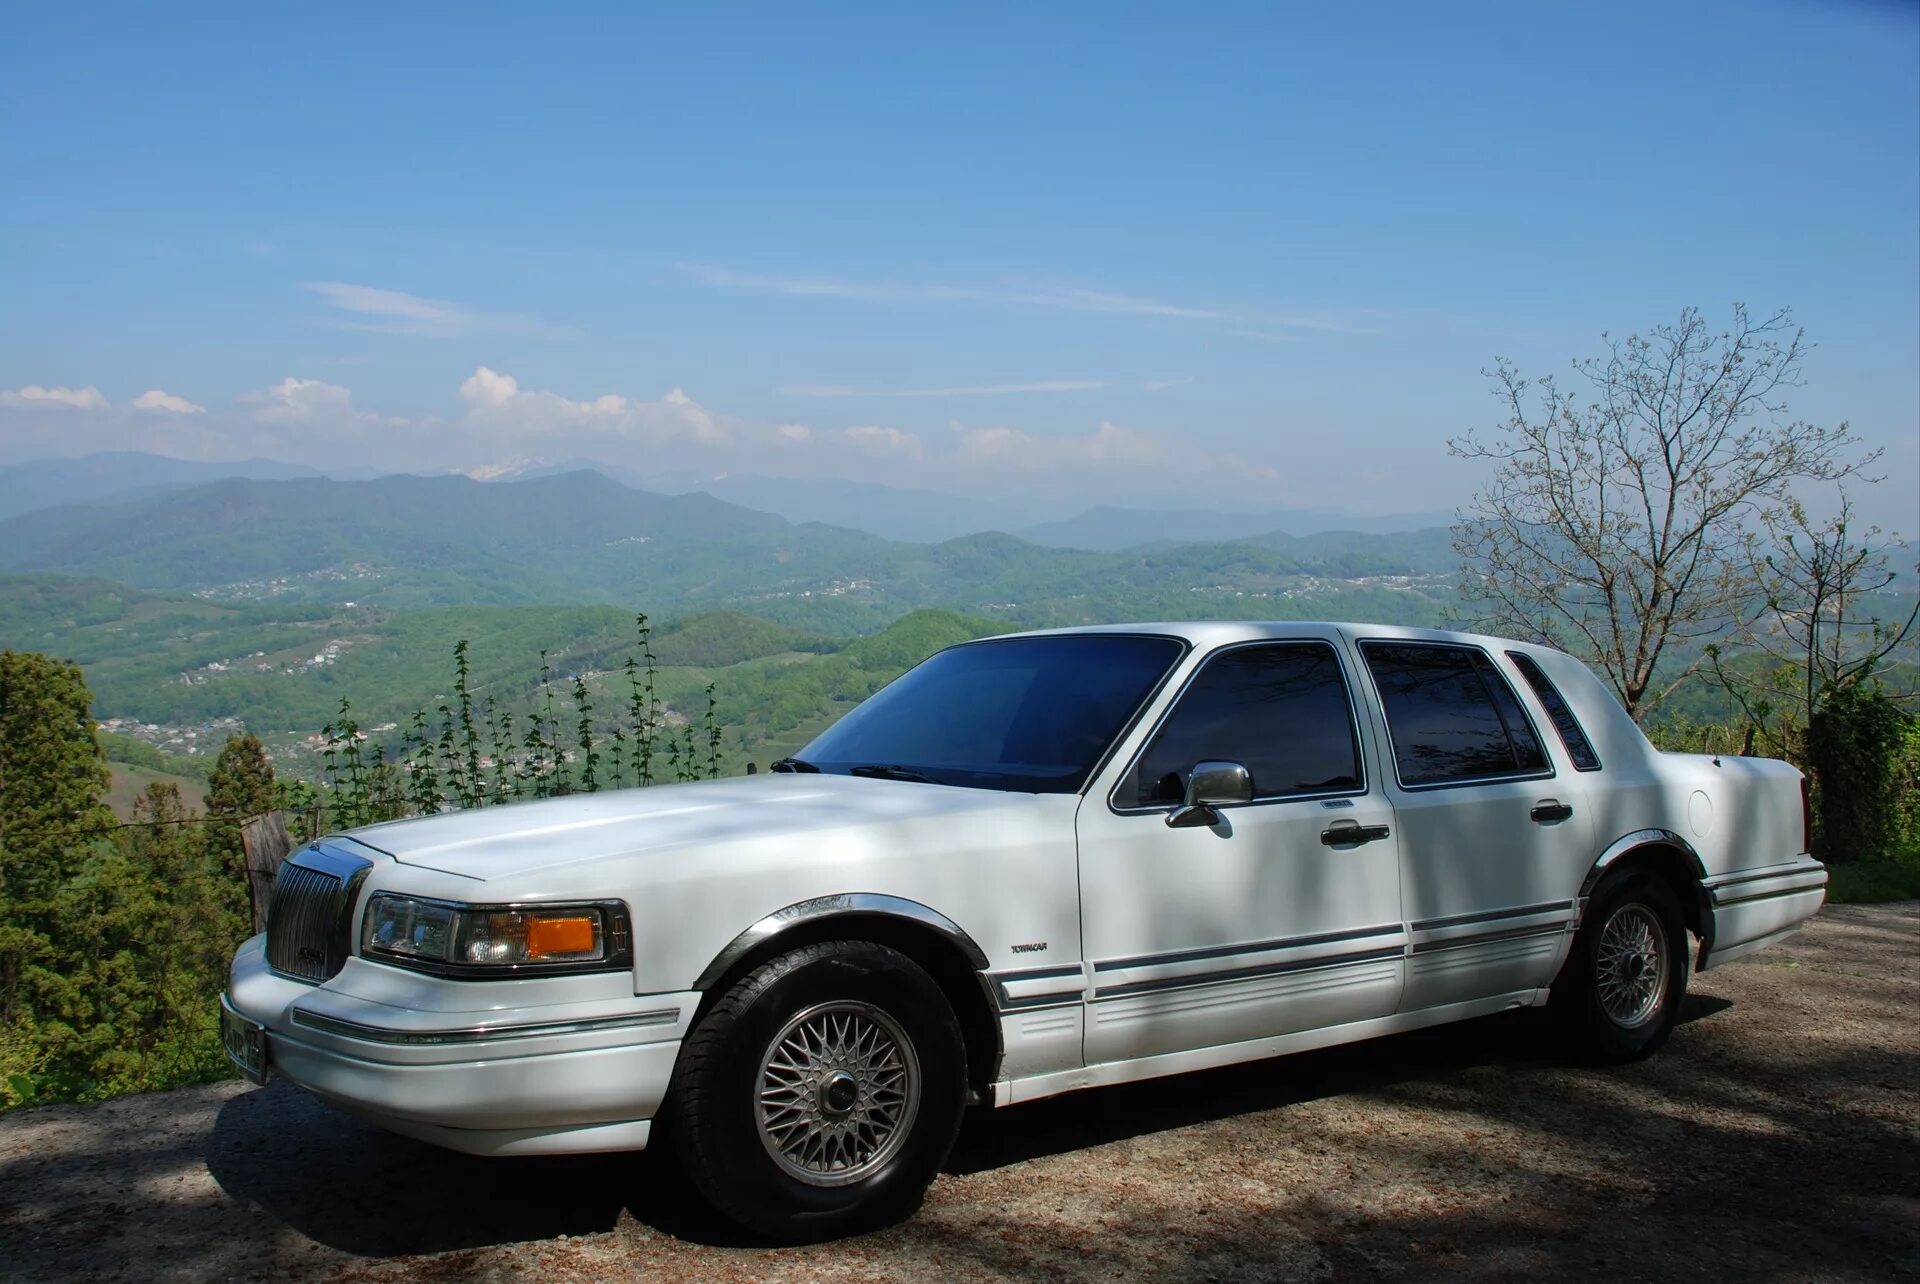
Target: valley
x=264, y=602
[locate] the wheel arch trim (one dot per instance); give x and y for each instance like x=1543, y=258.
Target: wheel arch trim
x=840, y=905
x=1627, y=844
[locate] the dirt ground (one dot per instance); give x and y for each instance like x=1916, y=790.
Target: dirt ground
x=1776, y=1138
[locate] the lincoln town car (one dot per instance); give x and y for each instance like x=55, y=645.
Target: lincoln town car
x=1033, y=864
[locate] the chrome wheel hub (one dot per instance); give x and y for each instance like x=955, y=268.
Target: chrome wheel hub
x=1630, y=966
x=839, y=1091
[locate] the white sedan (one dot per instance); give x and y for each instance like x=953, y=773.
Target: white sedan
x=1032, y=864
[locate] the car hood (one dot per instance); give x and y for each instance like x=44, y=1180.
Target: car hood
x=527, y=837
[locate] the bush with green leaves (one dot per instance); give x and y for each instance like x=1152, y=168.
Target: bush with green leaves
x=1907, y=792
x=1855, y=741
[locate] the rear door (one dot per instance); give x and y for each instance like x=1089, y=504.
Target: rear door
x=1489, y=823
x=1285, y=915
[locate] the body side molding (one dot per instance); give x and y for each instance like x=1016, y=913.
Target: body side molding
x=842, y=905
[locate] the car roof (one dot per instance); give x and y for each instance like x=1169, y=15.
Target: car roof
x=1206, y=634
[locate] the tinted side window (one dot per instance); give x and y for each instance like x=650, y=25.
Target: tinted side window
x=1450, y=714
x=1281, y=711
x=1579, y=748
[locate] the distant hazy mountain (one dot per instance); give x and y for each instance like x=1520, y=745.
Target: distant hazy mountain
x=923, y=516
x=581, y=537
x=121, y=476
x=504, y=542
x=893, y=512
x=1428, y=551
x=1118, y=528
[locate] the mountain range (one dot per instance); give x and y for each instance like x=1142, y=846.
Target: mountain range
x=915, y=515
x=584, y=538
x=116, y=477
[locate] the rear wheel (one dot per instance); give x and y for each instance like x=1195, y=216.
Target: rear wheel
x=1619, y=994
x=821, y=1093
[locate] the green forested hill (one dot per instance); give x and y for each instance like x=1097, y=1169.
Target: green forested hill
x=319, y=537
x=181, y=662
x=271, y=601
x=580, y=538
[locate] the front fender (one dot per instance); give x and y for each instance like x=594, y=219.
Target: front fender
x=842, y=905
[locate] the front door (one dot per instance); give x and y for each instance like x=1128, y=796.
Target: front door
x=1282, y=916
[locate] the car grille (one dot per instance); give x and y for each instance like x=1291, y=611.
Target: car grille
x=309, y=919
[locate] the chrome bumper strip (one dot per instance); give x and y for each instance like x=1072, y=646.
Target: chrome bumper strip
x=478, y=1034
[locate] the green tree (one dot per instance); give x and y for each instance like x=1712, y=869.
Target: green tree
x=241, y=787
x=154, y=924
x=52, y=826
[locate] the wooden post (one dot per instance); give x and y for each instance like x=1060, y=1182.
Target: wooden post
x=267, y=844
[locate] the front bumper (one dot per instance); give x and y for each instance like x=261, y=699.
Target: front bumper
x=538, y=1066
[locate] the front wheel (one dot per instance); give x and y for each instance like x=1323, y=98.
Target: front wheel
x=821, y=1093
x=1619, y=995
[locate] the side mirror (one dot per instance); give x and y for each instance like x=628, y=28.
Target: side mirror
x=1211, y=784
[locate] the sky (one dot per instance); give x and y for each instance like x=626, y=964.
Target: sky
x=1190, y=255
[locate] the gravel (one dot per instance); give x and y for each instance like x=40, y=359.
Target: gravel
x=1776, y=1138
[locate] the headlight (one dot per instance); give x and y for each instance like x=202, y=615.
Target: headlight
x=456, y=940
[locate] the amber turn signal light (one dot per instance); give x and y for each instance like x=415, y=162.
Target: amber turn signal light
x=549, y=936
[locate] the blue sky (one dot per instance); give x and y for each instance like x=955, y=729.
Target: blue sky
x=1194, y=254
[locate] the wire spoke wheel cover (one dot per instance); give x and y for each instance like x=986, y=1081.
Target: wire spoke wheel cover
x=839, y=1091
x=1630, y=966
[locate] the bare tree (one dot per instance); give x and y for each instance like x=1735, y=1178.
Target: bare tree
x=1625, y=524
x=1818, y=627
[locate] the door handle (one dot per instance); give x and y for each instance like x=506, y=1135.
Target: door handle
x=1348, y=833
x=1548, y=810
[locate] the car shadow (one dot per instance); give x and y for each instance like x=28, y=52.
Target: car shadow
x=361, y=1190
x=1075, y=1121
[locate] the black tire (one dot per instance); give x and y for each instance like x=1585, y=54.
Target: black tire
x=1611, y=1008
x=868, y=1174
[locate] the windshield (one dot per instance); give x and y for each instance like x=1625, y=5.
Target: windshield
x=1027, y=714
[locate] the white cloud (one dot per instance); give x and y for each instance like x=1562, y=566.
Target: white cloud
x=498, y=403
x=1110, y=448
x=308, y=401
x=161, y=402
x=397, y=312
x=501, y=414
x=1108, y=444
x=1047, y=295
x=1064, y=298
x=971, y=390
x=980, y=389
x=877, y=439
x=34, y=397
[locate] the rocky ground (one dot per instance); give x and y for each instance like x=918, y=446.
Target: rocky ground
x=1776, y=1138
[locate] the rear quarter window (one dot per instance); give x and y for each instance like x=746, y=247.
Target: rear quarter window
x=1579, y=749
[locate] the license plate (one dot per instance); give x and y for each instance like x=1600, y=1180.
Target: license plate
x=246, y=1044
